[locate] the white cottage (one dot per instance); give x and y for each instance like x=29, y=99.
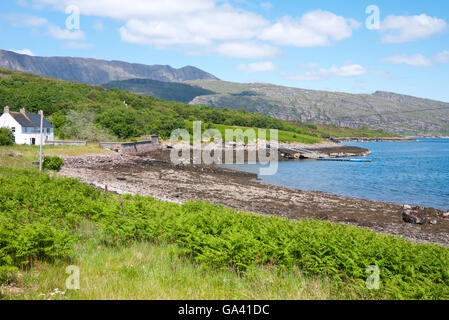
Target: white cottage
x=26, y=127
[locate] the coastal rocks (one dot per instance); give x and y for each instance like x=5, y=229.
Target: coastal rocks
x=343, y=151
x=375, y=139
x=413, y=217
x=242, y=191
x=421, y=215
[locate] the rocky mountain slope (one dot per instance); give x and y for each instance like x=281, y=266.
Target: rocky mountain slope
x=93, y=71
x=386, y=111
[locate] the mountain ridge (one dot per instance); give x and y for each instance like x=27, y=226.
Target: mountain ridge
x=388, y=111
x=97, y=71
x=382, y=110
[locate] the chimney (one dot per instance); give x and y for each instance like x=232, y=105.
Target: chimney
x=22, y=111
x=6, y=109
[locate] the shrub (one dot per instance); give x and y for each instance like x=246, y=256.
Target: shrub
x=52, y=163
x=6, y=137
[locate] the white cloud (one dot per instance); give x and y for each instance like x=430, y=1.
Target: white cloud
x=345, y=71
x=131, y=9
x=78, y=45
x=21, y=3
x=257, y=67
x=310, y=65
x=266, y=5
x=212, y=25
x=25, y=20
x=316, y=28
x=203, y=28
x=350, y=70
x=65, y=34
x=442, y=57
x=400, y=29
x=20, y=20
x=99, y=26
x=419, y=60
x=27, y=52
x=247, y=50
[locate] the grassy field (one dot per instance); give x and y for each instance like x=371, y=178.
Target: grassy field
x=137, y=247
x=155, y=272
x=22, y=156
x=283, y=136
x=335, y=131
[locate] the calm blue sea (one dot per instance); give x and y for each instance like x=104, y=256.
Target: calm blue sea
x=414, y=173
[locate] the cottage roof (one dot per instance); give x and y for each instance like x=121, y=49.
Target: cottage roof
x=30, y=120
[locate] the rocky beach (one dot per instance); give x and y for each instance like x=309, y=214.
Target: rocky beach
x=151, y=174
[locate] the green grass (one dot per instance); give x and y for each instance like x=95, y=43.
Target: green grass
x=22, y=156
x=53, y=222
x=283, y=135
x=149, y=271
x=341, y=132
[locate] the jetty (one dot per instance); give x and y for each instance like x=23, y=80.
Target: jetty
x=347, y=160
x=290, y=152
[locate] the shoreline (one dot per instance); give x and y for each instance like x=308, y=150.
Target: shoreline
x=374, y=139
x=286, y=151
x=153, y=176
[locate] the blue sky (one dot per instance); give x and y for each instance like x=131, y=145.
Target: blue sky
x=323, y=45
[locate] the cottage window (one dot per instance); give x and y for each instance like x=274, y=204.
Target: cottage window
x=13, y=129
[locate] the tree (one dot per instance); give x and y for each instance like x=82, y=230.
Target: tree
x=124, y=123
x=81, y=125
x=6, y=137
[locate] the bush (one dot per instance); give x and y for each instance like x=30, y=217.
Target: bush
x=6, y=137
x=52, y=163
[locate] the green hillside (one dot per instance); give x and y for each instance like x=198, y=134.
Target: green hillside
x=170, y=91
x=87, y=112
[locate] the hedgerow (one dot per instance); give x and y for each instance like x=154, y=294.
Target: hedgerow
x=40, y=217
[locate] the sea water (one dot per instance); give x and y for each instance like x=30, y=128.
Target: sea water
x=415, y=173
